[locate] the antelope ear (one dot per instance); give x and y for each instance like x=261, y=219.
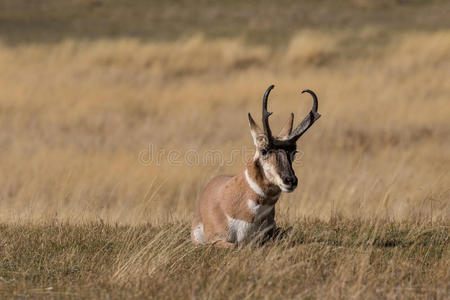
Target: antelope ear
x=287, y=128
x=259, y=139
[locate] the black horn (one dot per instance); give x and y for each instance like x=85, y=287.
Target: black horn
x=308, y=120
x=266, y=114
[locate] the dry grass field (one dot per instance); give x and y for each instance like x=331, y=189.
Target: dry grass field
x=114, y=117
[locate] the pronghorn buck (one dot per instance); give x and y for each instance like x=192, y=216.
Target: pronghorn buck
x=232, y=210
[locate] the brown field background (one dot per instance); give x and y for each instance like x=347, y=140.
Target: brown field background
x=86, y=87
x=77, y=114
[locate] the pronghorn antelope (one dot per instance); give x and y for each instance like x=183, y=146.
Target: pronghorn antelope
x=232, y=210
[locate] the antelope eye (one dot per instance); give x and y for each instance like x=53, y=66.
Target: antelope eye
x=263, y=152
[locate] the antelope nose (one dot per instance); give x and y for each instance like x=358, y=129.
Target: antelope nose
x=292, y=181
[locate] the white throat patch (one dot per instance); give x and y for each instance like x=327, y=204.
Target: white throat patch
x=255, y=187
x=259, y=211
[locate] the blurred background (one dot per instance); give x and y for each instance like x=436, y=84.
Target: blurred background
x=88, y=86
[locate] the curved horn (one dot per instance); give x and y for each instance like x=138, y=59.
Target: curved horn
x=308, y=120
x=266, y=114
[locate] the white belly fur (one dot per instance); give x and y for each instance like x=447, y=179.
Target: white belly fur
x=199, y=234
x=241, y=231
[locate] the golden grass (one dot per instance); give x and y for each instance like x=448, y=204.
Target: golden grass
x=339, y=259
x=370, y=216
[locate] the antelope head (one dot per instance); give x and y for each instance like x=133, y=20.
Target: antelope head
x=275, y=154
